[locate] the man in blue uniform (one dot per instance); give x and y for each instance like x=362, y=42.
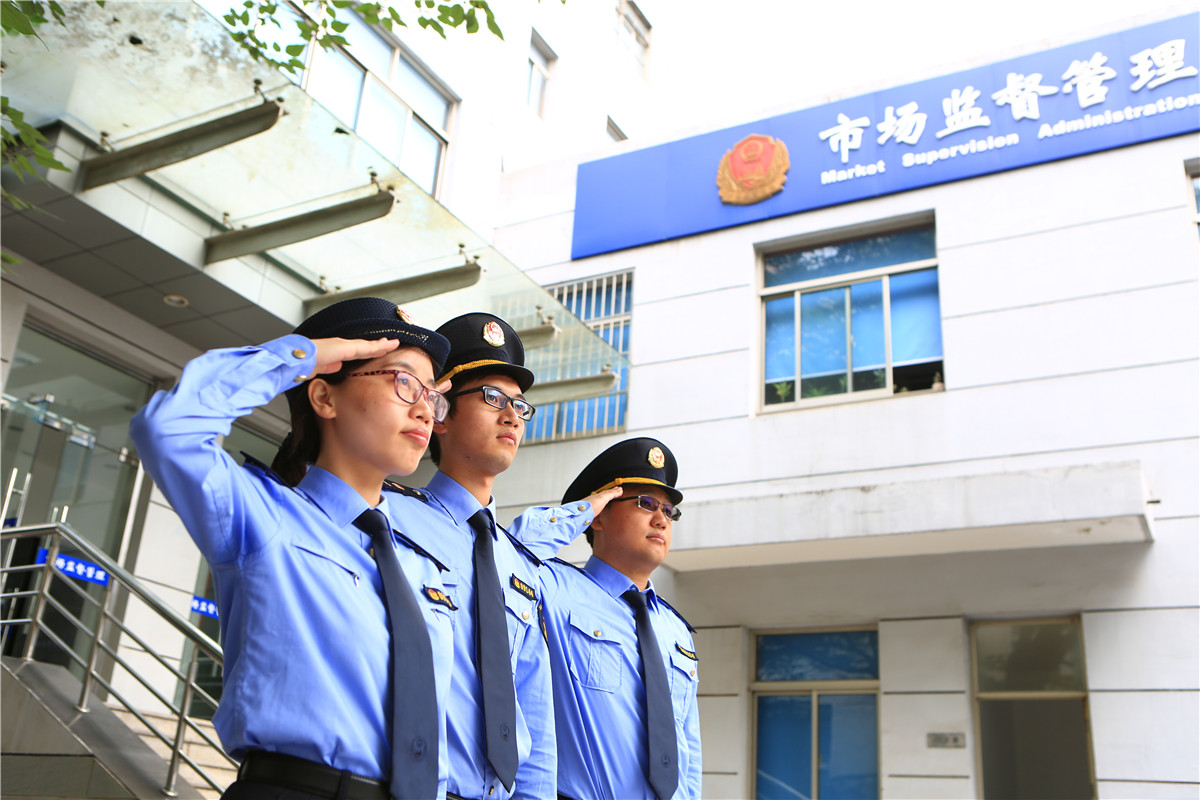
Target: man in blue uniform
x=500, y=716
x=624, y=664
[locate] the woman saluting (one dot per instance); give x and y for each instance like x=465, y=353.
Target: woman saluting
x=336, y=631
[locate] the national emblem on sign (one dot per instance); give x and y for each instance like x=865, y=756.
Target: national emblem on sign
x=656, y=458
x=753, y=170
x=493, y=334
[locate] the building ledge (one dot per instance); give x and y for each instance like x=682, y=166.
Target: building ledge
x=1056, y=507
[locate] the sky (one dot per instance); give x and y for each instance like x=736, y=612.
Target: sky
x=731, y=61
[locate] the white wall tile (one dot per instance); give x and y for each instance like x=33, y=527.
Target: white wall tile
x=1146, y=736
x=904, y=722
x=1143, y=649
x=924, y=655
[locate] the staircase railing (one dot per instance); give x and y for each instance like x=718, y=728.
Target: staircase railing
x=38, y=586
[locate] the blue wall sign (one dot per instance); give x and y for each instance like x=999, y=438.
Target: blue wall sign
x=76, y=567
x=1117, y=90
x=204, y=607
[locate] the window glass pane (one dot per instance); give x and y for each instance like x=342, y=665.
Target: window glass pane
x=854, y=256
x=1033, y=657
x=1035, y=749
x=779, y=353
x=365, y=44
x=421, y=154
x=916, y=317
x=382, y=120
x=823, y=354
x=868, y=356
x=336, y=83
x=1196, y=191
x=419, y=93
x=846, y=734
x=841, y=655
x=784, y=748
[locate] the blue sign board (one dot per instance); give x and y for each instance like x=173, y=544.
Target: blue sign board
x=204, y=607
x=1116, y=90
x=76, y=567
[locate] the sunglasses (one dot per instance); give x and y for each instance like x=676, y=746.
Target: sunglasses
x=652, y=504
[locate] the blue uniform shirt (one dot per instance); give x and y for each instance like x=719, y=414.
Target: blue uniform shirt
x=303, y=622
x=600, y=697
x=441, y=526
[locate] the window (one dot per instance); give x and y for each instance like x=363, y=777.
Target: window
x=373, y=88
x=541, y=59
x=614, y=131
x=816, y=715
x=634, y=30
x=1031, y=700
x=605, y=304
x=857, y=318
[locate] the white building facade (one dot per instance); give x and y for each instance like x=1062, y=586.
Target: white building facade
x=937, y=440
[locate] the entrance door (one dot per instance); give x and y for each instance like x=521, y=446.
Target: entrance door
x=65, y=455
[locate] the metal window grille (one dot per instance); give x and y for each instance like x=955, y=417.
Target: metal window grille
x=605, y=303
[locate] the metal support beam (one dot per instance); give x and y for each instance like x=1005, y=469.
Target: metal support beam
x=297, y=229
x=179, y=146
x=406, y=290
x=541, y=336
x=572, y=388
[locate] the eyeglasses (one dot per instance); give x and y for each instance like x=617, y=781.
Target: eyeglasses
x=652, y=504
x=498, y=399
x=410, y=389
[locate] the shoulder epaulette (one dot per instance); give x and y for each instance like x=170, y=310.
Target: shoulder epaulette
x=251, y=463
x=684, y=621
x=522, y=549
x=557, y=560
x=416, y=548
x=407, y=491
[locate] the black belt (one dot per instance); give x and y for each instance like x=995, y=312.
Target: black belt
x=303, y=775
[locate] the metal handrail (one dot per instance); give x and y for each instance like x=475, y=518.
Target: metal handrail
x=53, y=537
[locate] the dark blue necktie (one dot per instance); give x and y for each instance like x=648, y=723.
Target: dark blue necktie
x=414, y=702
x=491, y=651
x=662, y=768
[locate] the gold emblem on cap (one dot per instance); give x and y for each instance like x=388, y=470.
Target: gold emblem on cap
x=403, y=315
x=656, y=457
x=493, y=334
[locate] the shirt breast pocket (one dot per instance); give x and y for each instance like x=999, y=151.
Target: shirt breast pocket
x=684, y=677
x=324, y=567
x=522, y=614
x=594, y=653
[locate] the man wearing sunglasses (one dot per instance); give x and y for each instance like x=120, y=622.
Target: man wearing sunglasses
x=624, y=664
x=499, y=714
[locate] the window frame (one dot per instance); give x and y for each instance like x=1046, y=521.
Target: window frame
x=797, y=288
x=390, y=84
x=814, y=690
x=634, y=31
x=542, y=65
x=1074, y=694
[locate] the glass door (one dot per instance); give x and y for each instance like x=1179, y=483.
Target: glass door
x=66, y=456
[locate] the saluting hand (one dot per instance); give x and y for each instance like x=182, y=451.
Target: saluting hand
x=602, y=498
x=332, y=352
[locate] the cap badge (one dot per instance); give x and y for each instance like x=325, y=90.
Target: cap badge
x=493, y=334
x=403, y=315
x=656, y=457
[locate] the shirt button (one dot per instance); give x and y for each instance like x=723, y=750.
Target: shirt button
x=693, y=673
x=524, y=615
x=300, y=378
x=491, y=790
x=581, y=507
x=298, y=353
x=596, y=633
x=554, y=519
